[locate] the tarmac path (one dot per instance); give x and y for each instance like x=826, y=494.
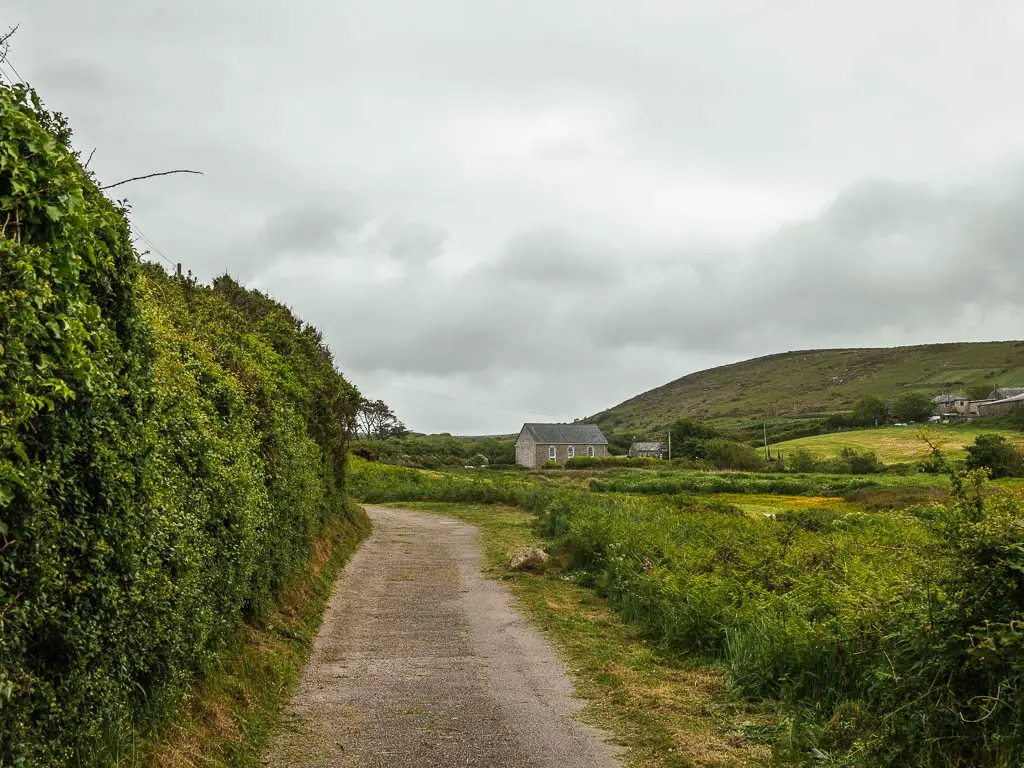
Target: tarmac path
x=423, y=663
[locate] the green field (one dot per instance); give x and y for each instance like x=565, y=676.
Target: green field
x=895, y=445
x=815, y=382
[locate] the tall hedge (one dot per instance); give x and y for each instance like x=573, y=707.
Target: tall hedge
x=168, y=453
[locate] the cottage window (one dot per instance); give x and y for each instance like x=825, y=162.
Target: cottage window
x=572, y=451
x=551, y=453
x=590, y=451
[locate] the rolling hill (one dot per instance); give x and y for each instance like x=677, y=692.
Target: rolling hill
x=803, y=385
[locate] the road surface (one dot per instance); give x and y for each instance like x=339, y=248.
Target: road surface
x=422, y=663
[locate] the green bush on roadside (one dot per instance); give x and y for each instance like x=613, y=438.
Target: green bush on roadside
x=168, y=451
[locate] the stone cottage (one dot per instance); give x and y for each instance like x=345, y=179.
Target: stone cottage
x=538, y=444
x=949, y=404
x=648, y=450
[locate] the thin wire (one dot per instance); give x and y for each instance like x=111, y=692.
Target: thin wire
x=149, y=242
x=10, y=64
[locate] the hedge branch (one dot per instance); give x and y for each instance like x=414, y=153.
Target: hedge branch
x=150, y=176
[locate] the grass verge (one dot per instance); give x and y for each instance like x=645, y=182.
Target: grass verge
x=668, y=711
x=230, y=714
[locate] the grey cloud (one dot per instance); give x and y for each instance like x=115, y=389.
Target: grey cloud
x=411, y=241
x=552, y=256
x=312, y=227
x=77, y=74
x=553, y=205
x=883, y=254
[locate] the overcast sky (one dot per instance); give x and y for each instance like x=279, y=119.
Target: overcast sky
x=532, y=210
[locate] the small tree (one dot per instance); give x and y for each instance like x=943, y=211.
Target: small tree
x=728, y=454
x=860, y=463
x=690, y=437
x=376, y=420
x=912, y=406
x=801, y=460
x=870, y=410
x=991, y=451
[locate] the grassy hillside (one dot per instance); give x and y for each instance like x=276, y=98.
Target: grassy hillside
x=803, y=384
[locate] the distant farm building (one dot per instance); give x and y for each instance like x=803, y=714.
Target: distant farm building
x=1000, y=401
x=538, y=444
x=1002, y=406
x=950, y=404
x=1005, y=393
x=648, y=451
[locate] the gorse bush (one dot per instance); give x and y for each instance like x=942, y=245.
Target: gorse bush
x=168, y=452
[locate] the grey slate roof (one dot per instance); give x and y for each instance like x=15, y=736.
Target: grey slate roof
x=587, y=434
x=1012, y=399
x=1005, y=393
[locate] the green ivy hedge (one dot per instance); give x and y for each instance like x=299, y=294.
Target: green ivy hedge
x=168, y=453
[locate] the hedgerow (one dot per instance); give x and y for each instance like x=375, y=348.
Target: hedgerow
x=168, y=453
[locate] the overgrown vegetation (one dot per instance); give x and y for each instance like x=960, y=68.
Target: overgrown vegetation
x=436, y=451
x=230, y=714
x=169, y=452
x=892, y=637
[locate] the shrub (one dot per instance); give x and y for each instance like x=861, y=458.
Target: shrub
x=992, y=452
x=551, y=464
x=800, y=460
x=366, y=452
x=898, y=497
x=931, y=464
x=870, y=410
x=690, y=438
x=860, y=462
x=727, y=454
x=609, y=462
x=912, y=406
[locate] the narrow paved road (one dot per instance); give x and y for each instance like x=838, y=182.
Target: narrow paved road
x=423, y=663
